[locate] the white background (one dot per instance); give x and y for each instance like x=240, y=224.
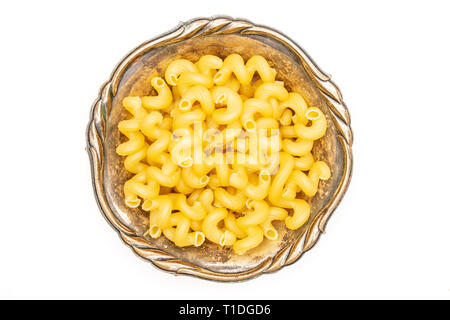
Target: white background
x=390, y=236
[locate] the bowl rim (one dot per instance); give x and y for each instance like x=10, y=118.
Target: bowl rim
x=96, y=130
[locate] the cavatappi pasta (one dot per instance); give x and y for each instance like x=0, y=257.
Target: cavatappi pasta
x=220, y=151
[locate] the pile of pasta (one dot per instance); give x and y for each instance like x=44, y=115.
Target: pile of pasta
x=192, y=196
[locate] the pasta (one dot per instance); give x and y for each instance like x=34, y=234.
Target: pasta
x=269, y=230
x=233, y=102
x=164, y=97
x=219, y=151
x=213, y=232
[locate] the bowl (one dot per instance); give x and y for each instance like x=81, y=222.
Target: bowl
x=220, y=36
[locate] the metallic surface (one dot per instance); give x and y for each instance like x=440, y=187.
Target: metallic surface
x=220, y=36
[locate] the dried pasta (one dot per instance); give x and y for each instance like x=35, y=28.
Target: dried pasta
x=220, y=152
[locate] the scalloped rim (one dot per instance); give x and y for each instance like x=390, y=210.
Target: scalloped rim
x=96, y=133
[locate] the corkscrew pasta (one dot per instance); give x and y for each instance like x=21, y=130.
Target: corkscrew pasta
x=220, y=151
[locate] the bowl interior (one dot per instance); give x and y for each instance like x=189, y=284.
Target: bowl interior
x=135, y=81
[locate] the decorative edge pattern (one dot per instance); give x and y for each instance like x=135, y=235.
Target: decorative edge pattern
x=96, y=137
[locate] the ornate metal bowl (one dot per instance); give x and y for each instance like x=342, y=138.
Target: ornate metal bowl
x=219, y=36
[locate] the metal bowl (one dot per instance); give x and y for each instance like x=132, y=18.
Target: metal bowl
x=220, y=36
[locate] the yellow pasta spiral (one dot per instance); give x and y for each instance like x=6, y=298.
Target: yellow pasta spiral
x=244, y=72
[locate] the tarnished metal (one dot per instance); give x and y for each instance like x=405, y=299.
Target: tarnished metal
x=219, y=36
